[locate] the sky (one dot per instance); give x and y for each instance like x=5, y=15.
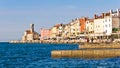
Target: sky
x=17, y=15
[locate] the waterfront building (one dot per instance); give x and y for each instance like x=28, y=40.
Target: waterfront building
x=90, y=26
x=53, y=32
x=83, y=24
x=60, y=30
x=30, y=35
x=115, y=19
x=66, y=32
x=45, y=33
x=56, y=31
x=75, y=28
x=103, y=24
x=106, y=22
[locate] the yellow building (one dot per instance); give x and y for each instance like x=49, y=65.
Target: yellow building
x=75, y=28
x=56, y=31
x=53, y=32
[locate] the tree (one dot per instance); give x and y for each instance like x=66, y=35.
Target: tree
x=114, y=30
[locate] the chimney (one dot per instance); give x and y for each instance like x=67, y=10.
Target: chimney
x=118, y=12
x=95, y=16
x=84, y=18
x=102, y=15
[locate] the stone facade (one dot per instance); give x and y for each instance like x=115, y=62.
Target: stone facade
x=30, y=35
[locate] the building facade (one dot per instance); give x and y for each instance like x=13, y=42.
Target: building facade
x=90, y=26
x=45, y=33
x=103, y=24
x=30, y=35
x=66, y=31
x=115, y=19
x=53, y=32
x=83, y=24
x=75, y=28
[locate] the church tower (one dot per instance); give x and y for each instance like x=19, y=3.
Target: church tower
x=32, y=27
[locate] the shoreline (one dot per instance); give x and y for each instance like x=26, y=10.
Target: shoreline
x=94, y=50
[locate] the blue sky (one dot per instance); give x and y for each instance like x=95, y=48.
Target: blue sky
x=16, y=15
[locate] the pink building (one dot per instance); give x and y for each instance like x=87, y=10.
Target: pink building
x=45, y=33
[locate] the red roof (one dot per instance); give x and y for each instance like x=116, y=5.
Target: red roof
x=29, y=32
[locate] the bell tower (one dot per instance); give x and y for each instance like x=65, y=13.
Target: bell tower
x=32, y=27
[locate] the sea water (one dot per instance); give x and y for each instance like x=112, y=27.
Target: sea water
x=39, y=56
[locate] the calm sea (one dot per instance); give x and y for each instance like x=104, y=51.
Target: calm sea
x=39, y=56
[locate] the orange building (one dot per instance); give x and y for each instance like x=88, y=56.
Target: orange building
x=83, y=24
x=45, y=33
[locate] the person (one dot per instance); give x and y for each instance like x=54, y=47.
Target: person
x=87, y=40
x=112, y=39
x=92, y=40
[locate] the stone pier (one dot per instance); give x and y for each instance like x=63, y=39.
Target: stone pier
x=88, y=53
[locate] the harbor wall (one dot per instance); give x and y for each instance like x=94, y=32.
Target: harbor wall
x=101, y=46
x=89, y=53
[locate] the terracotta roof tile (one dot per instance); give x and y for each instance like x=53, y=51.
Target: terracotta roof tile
x=29, y=32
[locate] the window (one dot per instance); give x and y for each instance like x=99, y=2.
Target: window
x=98, y=25
x=109, y=25
x=109, y=20
x=87, y=22
x=106, y=31
x=105, y=25
x=91, y=27
x=105, y=20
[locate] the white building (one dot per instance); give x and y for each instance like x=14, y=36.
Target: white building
x=90, y=26
x=103, y=24
x=107, y=25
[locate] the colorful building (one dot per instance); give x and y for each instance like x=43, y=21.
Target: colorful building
x=83, y=24
x=60, y=29
x=45, y=33
x=106, y=22
x=100, y=25
x=53, y=32
x=56, y=31
x=66, y=31
x=75, y=28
